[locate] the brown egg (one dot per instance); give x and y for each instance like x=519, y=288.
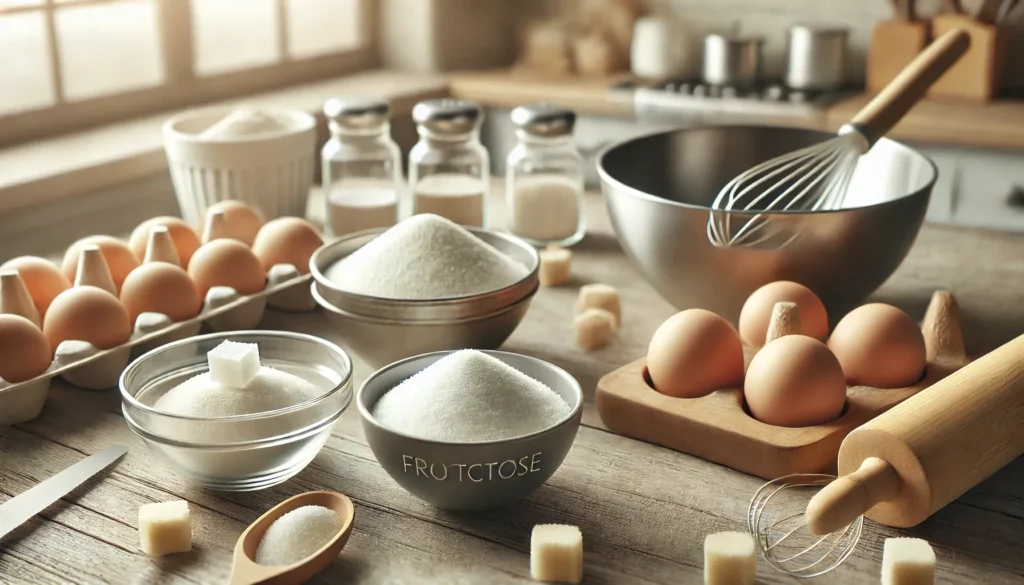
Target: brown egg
x=43, y=280
x=287, y=240
x=880, y=346
x=795, y=381
x=120, y=259
x=25, y=353
x=243, y=222
x=87, y=313
x=694, y=353
x=159, y=287
x=186, y=241
x=757, y=311
x=226, y=262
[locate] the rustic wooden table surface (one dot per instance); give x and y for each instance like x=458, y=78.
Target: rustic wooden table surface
x=643, y=510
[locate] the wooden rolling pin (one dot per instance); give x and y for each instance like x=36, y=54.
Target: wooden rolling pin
x=909, y=462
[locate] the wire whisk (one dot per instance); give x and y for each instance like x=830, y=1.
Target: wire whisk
x=776, y=520
x=816, y=178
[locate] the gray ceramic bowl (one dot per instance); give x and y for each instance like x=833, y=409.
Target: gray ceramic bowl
x=471, y=476
x=444, y=309
x=381, y=341
x=658, y=189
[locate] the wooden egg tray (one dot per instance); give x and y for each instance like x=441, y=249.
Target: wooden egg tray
x=718, y=428
x=83, y=365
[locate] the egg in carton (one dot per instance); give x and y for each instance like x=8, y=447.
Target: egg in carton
x=99, y=365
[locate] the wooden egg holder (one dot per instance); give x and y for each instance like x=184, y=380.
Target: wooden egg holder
x=718, y=428
x=82, y=364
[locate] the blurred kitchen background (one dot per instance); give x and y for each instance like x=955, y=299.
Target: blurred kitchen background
x=86, y=84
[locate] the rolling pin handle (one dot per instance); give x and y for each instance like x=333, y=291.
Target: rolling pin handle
x=842, y=501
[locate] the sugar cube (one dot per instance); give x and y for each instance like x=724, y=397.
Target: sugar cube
x=593, y=328
x=165, y=528
x=556, y=553
x=234, y=364
x=600, y=296
x=555, y=266
x=908, y=561
x=729, y=559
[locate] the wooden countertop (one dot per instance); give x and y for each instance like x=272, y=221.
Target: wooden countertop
x=643, y=510
x=999, y=124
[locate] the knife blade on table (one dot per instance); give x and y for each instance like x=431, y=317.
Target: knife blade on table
x=17, y=510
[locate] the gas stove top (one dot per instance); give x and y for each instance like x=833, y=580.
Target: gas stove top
x=692, y=98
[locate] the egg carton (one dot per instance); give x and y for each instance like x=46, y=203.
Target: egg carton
x=82, y=364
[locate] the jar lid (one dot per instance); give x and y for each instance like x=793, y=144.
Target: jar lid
x=448, y=116
x=358, y=114
x=546, y=120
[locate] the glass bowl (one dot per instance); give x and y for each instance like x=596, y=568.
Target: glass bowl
x=244, y=452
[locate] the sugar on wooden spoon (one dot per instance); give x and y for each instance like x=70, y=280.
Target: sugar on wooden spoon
x=246, y=571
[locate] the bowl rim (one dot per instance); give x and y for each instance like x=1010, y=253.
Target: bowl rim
x=305, y=122
x=607, y=179
x=574, y=410
x=346, y=382
x=321, y=278
x=328, y=306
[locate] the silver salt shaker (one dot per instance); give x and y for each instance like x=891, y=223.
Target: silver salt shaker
x=449, y=169
x=544, y=183
x=362, y=166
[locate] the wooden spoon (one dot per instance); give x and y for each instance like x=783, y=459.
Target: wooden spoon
x=246, y=571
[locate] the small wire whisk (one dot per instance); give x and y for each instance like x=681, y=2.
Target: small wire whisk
x=816, y=178
x=776, y=520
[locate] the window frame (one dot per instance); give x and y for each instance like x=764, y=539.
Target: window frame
x=181, y=86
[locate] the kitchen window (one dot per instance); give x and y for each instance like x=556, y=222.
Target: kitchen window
x=69, y=64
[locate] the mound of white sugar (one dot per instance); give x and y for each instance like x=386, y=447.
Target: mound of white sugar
x=271, y=389
x=469, y=396
x=297, y=535
x=243, y=122
x=425, y=257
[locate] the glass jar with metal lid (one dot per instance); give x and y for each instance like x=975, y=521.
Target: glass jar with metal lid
x=544, y=184
x=362, y=166
x=448, y=167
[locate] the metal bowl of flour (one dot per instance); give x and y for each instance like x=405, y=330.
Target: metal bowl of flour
x=471, y=476
x=450, y=308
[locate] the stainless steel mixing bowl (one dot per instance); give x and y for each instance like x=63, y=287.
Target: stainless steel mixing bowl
x=657, y=188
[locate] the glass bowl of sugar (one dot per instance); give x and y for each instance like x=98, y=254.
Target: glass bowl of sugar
x=468, y=429
x=240, y=410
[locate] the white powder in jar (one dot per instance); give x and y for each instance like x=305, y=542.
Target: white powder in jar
x=459, y=198
x=425, y=257
x=298, y=534
x=545, y=208
x=469, y=396
x=361, y=204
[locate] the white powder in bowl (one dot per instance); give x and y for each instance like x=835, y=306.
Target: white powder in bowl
x=425, y=257
x=242, y=123
x=469, y=396
x=297, y=535
x=200, y=396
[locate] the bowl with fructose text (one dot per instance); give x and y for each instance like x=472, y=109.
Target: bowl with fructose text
x=471, y=476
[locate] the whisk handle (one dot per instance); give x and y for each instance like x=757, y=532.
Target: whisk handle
x=842, y=501
x=887, y=108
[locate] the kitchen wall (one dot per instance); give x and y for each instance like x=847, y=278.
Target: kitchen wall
x=770, y=18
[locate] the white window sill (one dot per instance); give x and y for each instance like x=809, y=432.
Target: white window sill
x=43, y=171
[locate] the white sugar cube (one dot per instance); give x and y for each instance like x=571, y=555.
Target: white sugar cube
x=593, y=328
x=234, y=364
x=729, y=559
x=165, y=528
x=555, y=266
x=556, y=553
x=600, y=296
x=908, y=561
